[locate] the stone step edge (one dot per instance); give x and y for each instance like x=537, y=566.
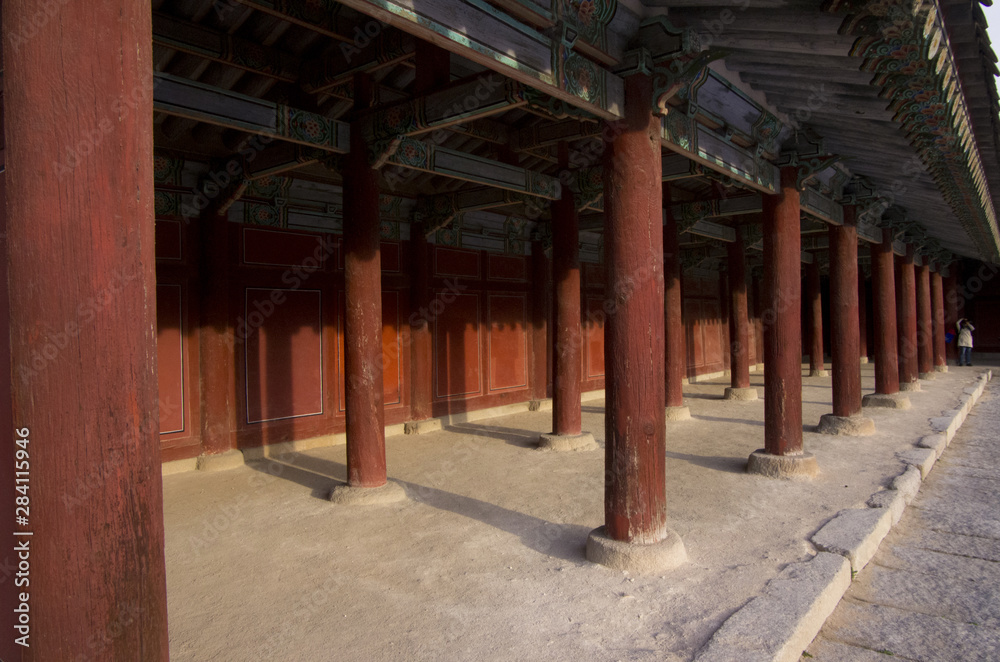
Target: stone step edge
x=779, y=624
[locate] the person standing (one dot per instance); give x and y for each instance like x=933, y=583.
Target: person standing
x=965, y=330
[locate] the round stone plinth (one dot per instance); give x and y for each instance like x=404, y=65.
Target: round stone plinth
x=864, y=359
x=819, y=373
x=909, y=386
x=740, y=394
x=657, y=557
x=940, y=368
x=802, y=466
x=347, y=495
x=888, y=401
x=221, y=462
x=852, y=426
x=678, y=413
x=567, y=442
x=928, y=375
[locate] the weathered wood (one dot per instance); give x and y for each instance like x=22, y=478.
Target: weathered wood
x=363, y=384
x=421, y=339
x=82, y=329
x=203, y=103
x=739, y=324
x=906, y=318
x=884, y=310
x=953, y=306
x=635, y=424
x=676, y=357
x=544, y=135
x=925, y=318
x=937, y=312
x=815, y=319
x=566, y=337
x=782, y=320
x=368, y=54
x=845, y=325
x=541, y=360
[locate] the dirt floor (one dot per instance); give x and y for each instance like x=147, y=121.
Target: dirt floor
x=485, y=561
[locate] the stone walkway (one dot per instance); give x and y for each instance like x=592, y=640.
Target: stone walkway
x=932, y=592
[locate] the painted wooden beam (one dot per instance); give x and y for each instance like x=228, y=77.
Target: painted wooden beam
x=319, y=16
x=386, y=49
x=712, y=230
x=544, y=135
x=203, y=103
x=280, y=158
x=496, y=40
x=819, y=206
x=416, y=155
x=199, y=40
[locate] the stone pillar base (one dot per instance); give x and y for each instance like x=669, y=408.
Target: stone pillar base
x=928, y=375
x=853, y=426
x=889, y=401
x=221, y=462
x=909, y=387
x=422, y=427
x=940, y=368
x=567, y=442
x=802, y=466
x=740, y=394
x=819, y=373
x=678, y=413
x=657, y=557
x=864, y=360
x=346, y=495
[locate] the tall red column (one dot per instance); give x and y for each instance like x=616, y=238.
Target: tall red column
x=952, y=301
x=567, y=433
x=218, y=344
x=845, y=332
x=673, y=321
x=782, y=454
x=635, y=533
x=816, y=366
x=925, y=322
x=363, y=386
x=421, y=342
x=739, y=323
x=862, y=316
x=79, y=213
x=540, y=345
x=937, y=312
x=906, y=321
x=884, y=313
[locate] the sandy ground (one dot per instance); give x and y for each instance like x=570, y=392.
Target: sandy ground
x=485, y=561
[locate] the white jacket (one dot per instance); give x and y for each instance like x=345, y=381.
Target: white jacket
x=965, y=335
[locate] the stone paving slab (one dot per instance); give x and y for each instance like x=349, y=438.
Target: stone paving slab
x=901, y=556
x=911, y=635
x=835, y=651
x=956, y=544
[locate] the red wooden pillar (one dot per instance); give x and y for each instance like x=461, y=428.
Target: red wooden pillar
x=884, y=313
x=782, y=454
x=540, y=344
x=363, y=386
x=937, y=311
x=673, y=321
x=952, y=299
x=906, y=321
x=79, y=229
x=421, y=342
x=925, y=324
x=845, y=332
x=739, y=323
x=816, y=365
x=862, y=316
x=635, y=532
x=567, y=433
x=218, y=344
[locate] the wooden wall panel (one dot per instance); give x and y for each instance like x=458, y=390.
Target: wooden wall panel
x=593, y=338
x=507, y=268
x=713, y=337
x=705, y=329
x=392, y=369
x=508, y=341
x=284, y=355
x=390, y=258
x=170, y=362
x=169, y=240
x=457, y=349
x=456, y=262
x=284, y=248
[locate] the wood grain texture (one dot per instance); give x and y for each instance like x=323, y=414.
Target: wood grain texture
x=635, y=423
x=925, y=319
x=782, y=320
x=937, y=313
x=567, y=339
x=845, y=330
x=98, y=580
x=884, y=313
x=815, y=317
x=739, y=323
x=676, y=363
x=906, y=317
